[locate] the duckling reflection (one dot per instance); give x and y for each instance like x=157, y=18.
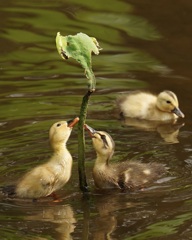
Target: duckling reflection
x=143, y=105
x=47, y=178
x=125, y=175
x=110, y=206
x=104, y=227
x=62, y=216
x=168, y=130
x=106, y=222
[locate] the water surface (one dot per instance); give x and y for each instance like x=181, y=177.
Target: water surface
x=146, y=45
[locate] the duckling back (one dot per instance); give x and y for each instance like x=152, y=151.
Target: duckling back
x=130, y=175
x=138, y=174
x=137, y=104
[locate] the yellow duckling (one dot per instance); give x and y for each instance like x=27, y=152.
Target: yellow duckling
x=47, y=178
x=126, y=175
x=143, y=105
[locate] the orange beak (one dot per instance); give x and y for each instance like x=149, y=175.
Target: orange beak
x=71, y=123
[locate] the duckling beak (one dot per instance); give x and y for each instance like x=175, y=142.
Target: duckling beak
x=178, y=112
x=71, y=123
x=90, y=130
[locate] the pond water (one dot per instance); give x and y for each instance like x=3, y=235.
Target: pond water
x=146, y=45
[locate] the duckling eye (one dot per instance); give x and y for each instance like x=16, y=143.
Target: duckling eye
x=58, y=124
x=103, y=137
x=168, y=101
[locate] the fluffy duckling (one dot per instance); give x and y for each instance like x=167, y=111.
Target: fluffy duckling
x=126, y=175
x=47, y=178
x=143, y=105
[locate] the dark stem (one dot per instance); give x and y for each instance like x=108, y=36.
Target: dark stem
x=86, y=216
x=81, y=141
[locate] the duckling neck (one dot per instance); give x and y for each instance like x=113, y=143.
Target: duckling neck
x=61, y=165
x=59, y=147
x=102, y=160
x=61, y=155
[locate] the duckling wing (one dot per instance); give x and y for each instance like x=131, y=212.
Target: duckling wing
x=37, y=183
x=137, y=105
x=138, y=174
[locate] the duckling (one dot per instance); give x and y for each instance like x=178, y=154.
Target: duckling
x=143, y=105
x=47, y=178
x=126, y=175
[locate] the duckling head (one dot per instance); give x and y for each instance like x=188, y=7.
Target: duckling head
x=60, y=131
x=102, y=142
x=167, y=102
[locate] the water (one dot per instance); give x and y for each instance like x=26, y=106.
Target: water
x=146, y=45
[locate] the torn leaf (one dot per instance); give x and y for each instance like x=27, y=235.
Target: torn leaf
x=79, y=47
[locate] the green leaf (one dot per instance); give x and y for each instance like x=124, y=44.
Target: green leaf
x=79, y=47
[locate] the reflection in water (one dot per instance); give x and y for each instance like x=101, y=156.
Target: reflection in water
x=61, y=215
x=107, y=223
x=138, y=217
x=169, y=131
x=104, y=227
x=100, y=227
x=135, y=26
x=169, y=223
x=143, y=47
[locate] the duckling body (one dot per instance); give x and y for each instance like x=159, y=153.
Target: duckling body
x=125, y=175
x=47, y=178
x=143, y=105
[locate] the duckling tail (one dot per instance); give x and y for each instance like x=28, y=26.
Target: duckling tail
x=8, y=191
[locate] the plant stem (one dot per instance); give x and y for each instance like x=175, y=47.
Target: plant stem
x=91, y=79
x=81, y=141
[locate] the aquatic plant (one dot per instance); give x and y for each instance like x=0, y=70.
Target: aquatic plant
x=80, y=47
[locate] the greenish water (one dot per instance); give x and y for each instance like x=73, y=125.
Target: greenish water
x=146, y=45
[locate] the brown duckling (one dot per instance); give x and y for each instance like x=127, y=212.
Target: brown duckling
x=47, y=178
x=125, y=175
x=143, y=105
